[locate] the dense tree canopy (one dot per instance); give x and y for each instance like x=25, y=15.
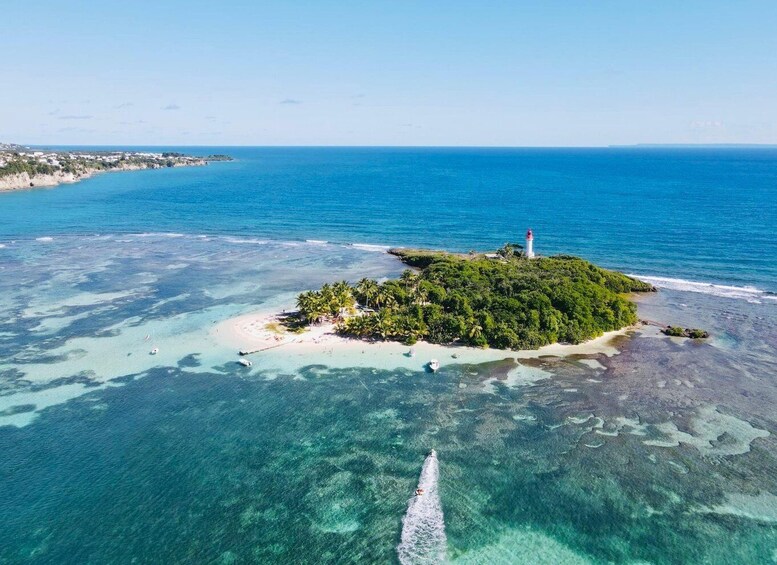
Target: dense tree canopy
x=510, y=302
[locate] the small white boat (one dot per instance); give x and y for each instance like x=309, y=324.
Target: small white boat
x=245, y=362
x=434, y=364
x=154, y=351
x=411, y=353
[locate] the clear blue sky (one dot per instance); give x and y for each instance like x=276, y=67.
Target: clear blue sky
x=395, y=72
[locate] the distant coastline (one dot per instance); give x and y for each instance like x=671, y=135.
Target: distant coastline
x=25, y=168
x=695, y=146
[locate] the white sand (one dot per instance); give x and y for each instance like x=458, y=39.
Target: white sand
x=319, y=344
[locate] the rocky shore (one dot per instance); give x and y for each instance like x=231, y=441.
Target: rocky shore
x=693, y=333
x=24, y=180
x=23, y=168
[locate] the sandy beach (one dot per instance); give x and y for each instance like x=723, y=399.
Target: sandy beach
x=262, y=334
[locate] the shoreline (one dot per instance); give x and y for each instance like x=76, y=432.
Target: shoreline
x=267, y=344
x=23, y=181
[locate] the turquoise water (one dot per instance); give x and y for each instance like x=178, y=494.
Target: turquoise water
x=663, y=453
x=692, y=214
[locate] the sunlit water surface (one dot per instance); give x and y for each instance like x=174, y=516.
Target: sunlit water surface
x=664, y=453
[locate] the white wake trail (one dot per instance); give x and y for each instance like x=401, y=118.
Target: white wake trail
x=423, y=527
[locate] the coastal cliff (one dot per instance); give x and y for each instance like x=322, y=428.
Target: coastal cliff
x=24, y=180
x=23, y=168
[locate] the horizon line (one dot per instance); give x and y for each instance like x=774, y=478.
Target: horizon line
x=346, y=146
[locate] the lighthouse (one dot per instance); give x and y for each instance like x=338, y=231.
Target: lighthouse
x=529, y=244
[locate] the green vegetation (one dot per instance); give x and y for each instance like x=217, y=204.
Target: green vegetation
x=20, y=165
x=332, y=301
x=16, y=160
x=79, y=163
x=507, y=302
x=677, y=331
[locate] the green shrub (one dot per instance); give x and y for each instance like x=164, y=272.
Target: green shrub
x=509, y=303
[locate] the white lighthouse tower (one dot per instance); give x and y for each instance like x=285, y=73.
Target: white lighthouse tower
x=529, y=244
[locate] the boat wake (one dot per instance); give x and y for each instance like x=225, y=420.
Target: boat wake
x=423, y=528
x=748, y=293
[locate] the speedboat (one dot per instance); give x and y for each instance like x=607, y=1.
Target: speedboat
x=419, y=492
x=154, y=351
x=434, y=364
x=245, y=362
x=432, y=453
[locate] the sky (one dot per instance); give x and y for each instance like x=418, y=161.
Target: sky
x=395, y=72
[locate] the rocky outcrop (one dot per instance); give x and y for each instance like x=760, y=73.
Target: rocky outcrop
x=677, y=331
x=23, y=180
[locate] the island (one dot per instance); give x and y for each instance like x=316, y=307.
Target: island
x=472, y=307
x=23, y=167
x=503, y=300
x=692, y=333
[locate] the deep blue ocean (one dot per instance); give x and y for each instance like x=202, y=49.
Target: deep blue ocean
x=706, y=215
x=644, y=449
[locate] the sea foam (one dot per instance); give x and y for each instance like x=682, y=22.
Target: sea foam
x=423, y=527
x=371, y=247
x=748, y=293
x=253, y=240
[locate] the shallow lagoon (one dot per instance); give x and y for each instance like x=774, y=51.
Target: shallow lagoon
x=663, y=453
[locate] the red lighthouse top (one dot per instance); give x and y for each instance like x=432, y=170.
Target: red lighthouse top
x=529, y=234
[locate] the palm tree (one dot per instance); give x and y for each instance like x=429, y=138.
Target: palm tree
x=384, y=323
x=341, y=288
x=367, y=289
x=309, y=304
x=380, y=297
x=303, y=301
x=409, y=279
x=384, y=298
x=343, y=297
x=421, y=294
